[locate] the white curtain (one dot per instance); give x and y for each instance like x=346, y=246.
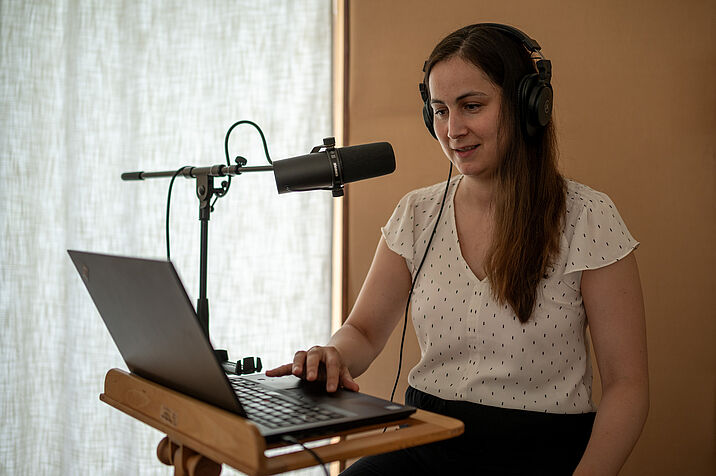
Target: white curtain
x=94, y=88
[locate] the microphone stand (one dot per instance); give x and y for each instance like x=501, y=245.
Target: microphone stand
x=205, y=190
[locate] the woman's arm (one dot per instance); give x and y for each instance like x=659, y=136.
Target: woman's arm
x=615, y=312
x=358, y=342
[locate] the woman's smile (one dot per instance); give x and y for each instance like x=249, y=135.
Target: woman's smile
x=465, y=152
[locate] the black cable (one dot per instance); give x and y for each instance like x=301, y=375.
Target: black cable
x=226, y=184
x=263, y=139
x=412, y=285
x=169, y=198
x=292, y=440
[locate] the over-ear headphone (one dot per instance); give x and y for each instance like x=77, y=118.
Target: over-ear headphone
x=534, y=100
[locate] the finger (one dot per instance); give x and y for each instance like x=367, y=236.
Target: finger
x=299, y=362
x=285, y=369
x=314, y=356
x=347, y=381
x=333, y=370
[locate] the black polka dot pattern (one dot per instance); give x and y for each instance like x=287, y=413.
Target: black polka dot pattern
x=473, y=348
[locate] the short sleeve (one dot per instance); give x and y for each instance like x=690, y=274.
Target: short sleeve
x=398, y=232
x=600, y=236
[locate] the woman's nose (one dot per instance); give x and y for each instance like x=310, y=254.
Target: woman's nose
x=456, y=126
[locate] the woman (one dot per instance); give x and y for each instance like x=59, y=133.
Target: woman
x=520, y=261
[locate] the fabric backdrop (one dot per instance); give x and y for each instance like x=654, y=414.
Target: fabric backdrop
x=91, y=89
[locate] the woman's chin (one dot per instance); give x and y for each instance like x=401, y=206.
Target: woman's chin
x=468, y=168
x=477, y=172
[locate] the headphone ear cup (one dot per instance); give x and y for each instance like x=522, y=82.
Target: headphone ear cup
x=541, y=104
x=428, y=119
x=427, y=110
x=535, y=103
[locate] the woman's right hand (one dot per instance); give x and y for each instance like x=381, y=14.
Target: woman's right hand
x=317, y=364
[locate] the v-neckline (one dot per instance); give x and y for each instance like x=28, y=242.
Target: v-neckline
x=453, y=224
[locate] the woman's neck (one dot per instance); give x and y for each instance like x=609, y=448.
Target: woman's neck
x=476, y=193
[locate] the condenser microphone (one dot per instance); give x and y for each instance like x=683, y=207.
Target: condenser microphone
x=328, y=168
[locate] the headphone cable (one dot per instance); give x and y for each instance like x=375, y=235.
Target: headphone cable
x=292, y=440
x=412, y=285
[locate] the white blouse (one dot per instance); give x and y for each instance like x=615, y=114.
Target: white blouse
x=476, y=350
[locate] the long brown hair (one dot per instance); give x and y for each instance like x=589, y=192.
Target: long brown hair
x=530, y=196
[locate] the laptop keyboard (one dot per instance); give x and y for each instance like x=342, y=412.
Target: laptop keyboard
x=273, y=410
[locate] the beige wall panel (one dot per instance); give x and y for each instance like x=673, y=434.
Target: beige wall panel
x=635, y=109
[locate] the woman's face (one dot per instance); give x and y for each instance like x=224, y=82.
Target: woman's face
x=466, y=108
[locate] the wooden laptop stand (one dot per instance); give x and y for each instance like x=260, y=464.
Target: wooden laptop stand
x=201, y=437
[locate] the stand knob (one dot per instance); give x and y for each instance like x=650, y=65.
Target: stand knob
x=222, y=355
x=248, y=365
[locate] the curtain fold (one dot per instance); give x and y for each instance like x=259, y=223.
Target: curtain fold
x=92, y=89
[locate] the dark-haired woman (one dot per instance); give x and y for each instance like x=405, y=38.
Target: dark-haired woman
x=506, y=279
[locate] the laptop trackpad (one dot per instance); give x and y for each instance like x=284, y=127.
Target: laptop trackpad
x=294, y=386
x=286, y=382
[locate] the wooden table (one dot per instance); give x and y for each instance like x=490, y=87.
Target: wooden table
x=201, y=437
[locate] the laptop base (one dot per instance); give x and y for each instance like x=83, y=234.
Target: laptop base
x=200, y=433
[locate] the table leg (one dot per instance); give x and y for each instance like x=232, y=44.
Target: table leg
x=186, y=461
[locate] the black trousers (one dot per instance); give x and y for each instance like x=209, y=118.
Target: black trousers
x=497, y=441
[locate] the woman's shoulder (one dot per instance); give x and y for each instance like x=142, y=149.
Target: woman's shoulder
x=594, y=231
x=582, y=199
x=413, y=216
x=430, y=194
x=581, y=194
x=419, y=206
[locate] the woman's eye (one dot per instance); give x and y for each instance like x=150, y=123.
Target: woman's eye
x=440, y=112
x=473, y=106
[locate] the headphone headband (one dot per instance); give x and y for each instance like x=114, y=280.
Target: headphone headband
x=529, y=43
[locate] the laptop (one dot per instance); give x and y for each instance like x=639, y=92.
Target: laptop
x=153, y=323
